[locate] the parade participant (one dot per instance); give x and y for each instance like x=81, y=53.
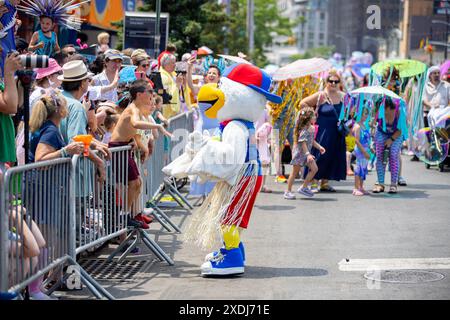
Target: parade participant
x=328, y=104
x=238, y=102
x=303, y=143
x=388, y=142
x=362, y=138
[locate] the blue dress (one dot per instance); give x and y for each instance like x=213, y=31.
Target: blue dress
x=212, y=126
x=332, y=164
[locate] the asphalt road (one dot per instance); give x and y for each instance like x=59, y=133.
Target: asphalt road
x=293, y=247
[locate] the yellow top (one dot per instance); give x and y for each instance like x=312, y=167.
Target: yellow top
x=169, y=83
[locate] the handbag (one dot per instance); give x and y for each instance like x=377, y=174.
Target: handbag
x=342, y=127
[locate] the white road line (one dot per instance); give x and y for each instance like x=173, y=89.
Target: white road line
x=394, y=264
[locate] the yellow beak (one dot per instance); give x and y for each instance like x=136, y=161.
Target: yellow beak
x=213, y=97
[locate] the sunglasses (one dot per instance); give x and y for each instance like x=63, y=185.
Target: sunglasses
x=334, y=81
x=145, y=65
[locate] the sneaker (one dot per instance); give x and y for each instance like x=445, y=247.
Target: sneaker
x=289, y=195
x=306, y=192
x=136, y=224
x=314, y=188
x=402, y=182
x=144, y=218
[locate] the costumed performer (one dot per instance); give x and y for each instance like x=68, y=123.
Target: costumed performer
x=233, y=162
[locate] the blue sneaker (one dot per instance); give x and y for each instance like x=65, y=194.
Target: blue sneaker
x=227, y=262
x=214, y=254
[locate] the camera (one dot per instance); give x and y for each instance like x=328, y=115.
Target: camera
x=155, y=77
x=34, y=61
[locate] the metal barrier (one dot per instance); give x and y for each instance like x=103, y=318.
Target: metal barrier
x=75, y=212
x=101, y=208
x=180, y=126
x=37, y=226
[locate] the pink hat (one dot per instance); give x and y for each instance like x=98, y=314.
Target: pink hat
x=52, y=68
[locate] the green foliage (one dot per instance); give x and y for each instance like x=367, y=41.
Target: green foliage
x=119, y=25
x=196, y=23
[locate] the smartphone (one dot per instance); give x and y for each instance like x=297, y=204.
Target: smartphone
x=194, y=54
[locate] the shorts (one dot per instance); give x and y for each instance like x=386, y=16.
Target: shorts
x=118, y=160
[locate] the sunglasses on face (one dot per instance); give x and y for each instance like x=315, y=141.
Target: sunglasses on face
x=334, y=81
x=145, y=65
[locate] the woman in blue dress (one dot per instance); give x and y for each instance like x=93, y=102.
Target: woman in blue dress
x=328, y=104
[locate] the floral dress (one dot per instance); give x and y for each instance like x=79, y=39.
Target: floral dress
x=299, y=157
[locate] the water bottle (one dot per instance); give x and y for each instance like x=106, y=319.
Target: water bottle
x=386, y=155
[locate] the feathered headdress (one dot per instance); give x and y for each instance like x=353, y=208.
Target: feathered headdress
x=60, y=11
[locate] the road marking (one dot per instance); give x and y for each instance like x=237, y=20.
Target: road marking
x=394, y=264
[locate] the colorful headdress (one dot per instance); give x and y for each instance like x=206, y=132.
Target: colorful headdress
x=219, y=63
x=59, y=11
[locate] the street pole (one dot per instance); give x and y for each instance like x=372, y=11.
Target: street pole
x=250, y=26
x=158, y=28
x=227, y=30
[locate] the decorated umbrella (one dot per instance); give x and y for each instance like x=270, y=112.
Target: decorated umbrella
x=204, y=51
x=407, y=68
x=302, y=68
x=375, y=90
x=365, y=97
x=444, y=67
x=234, y=59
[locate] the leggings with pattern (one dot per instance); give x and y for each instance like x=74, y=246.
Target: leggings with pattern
x=394, y=157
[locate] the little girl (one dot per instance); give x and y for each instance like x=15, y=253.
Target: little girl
x=303, y=143
x=362, y=139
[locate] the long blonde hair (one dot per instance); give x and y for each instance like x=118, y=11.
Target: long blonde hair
x=45, y=108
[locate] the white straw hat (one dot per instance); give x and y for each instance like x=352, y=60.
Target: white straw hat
x=75, y=71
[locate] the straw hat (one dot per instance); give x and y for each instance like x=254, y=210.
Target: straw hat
x=75, y=71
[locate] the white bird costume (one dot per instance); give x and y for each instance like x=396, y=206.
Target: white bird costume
x=232, y=161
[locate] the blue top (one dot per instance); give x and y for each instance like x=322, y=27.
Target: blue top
x=48, y=134
x=364, y=139
x=49, y=44
x=76, y=122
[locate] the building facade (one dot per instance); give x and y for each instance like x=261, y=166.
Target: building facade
x=365, y=25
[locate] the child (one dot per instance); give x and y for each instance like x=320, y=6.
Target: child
x=103, y=42
x=362, y=139
x=303, y=143
x=110, y=123
x=124, y=133
x=50, y=13
x=45, y=41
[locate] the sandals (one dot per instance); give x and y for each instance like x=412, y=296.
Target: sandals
x=357, y=193
x=393, y=189
x=378, y=188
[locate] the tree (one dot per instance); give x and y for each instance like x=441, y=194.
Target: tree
x=195, y=23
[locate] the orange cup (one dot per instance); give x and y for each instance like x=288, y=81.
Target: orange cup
x=86, y=139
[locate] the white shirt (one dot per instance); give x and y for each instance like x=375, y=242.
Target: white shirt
x=101, y=80
x=438, y=97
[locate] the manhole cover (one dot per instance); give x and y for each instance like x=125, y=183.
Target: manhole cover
x=403, y=276
x=101, y=269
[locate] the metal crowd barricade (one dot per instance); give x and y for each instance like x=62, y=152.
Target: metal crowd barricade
x=101, y=208
x=37, y=227
x=180, y=126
